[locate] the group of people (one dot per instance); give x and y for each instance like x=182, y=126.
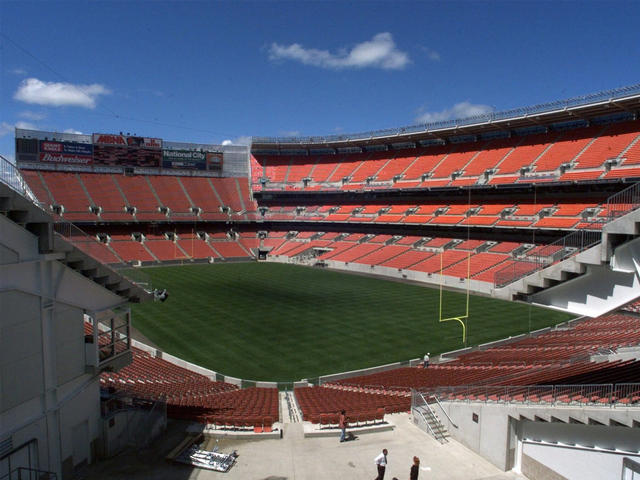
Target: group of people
x=381, y=465
x=380, y=460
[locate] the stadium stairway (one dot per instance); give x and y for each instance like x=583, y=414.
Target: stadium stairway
x=593, y=282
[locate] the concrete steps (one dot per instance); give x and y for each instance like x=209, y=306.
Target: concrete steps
x=593, y=282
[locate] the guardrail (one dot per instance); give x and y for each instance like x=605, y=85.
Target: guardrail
x=578, y=241
x=606, y=95
x=623, y=202
x=25, y=473
x=607, y=394
x=11, y=176
x=548, y=255
x=90, y=245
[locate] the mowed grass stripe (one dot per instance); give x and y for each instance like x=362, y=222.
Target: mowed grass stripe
x=267, y=321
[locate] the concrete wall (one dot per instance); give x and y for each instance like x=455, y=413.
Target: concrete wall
x=487, y=437
x=20, y=349
x=80, y=408
x=125, y=427
x=571, y=463
x=69, y=343
x=492, y=436
x=45, y=394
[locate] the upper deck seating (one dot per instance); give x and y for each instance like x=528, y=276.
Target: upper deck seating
x=105, y=193
x=170, y=192
x=66, y=190
x=582, y=152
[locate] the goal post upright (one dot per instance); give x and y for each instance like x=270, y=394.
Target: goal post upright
x=460, y=318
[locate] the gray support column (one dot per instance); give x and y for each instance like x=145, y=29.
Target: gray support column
x=50, y=396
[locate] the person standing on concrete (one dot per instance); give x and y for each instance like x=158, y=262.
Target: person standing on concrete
x=425, y=361
x=343, y=426
x=381, y=464
x=415, y=469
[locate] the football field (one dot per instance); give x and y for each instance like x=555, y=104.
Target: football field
x=268, y=321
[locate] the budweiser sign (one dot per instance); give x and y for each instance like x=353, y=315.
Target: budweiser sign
x=65, y=158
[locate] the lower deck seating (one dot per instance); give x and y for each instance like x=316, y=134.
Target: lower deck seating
x=131, y=250
x=455, y=257
x=556, y=357
x=323, y=405
x=193, y=396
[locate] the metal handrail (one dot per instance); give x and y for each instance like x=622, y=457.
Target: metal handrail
x=29, y=473
x=444, y=411
x=427, y=424
x=11, y=176
x=578, y=241
x=440, y=437
x=79, y=239
x=605, y=394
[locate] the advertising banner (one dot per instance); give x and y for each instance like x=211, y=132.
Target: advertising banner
x=214, y=161
x=72, y=148
x=189, y=159
x=65, y=152
x=126, y=141
x=64, y=158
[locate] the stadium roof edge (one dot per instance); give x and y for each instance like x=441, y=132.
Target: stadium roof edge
x=621, y=100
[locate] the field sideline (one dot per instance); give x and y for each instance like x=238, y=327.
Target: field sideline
x=269, y=321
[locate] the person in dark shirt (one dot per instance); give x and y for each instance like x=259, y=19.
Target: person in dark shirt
x=415, y=468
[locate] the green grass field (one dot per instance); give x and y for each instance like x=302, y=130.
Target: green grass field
x=266, y=321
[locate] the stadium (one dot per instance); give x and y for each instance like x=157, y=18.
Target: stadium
x=236, y=291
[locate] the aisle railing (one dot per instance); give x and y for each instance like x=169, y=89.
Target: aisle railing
x=575, y=242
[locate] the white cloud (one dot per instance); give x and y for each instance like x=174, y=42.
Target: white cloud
x=379, y=52
x=58, y=94
x=73, y=130
x=26, y=125
x=5, y=128
x=32, y=115
x=8, y=128
x=241, y=140
x=18, y=71
x=432, y=54
x=290, y=133
x=459, y=110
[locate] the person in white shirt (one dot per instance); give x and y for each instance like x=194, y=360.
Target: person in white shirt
x=381, y=463
x=425, y=362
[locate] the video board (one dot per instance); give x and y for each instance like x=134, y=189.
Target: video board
x=126, y=150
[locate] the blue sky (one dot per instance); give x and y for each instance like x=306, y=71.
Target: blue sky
x=215, y=71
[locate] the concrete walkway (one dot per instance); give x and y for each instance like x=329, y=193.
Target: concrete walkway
x=300, y=458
